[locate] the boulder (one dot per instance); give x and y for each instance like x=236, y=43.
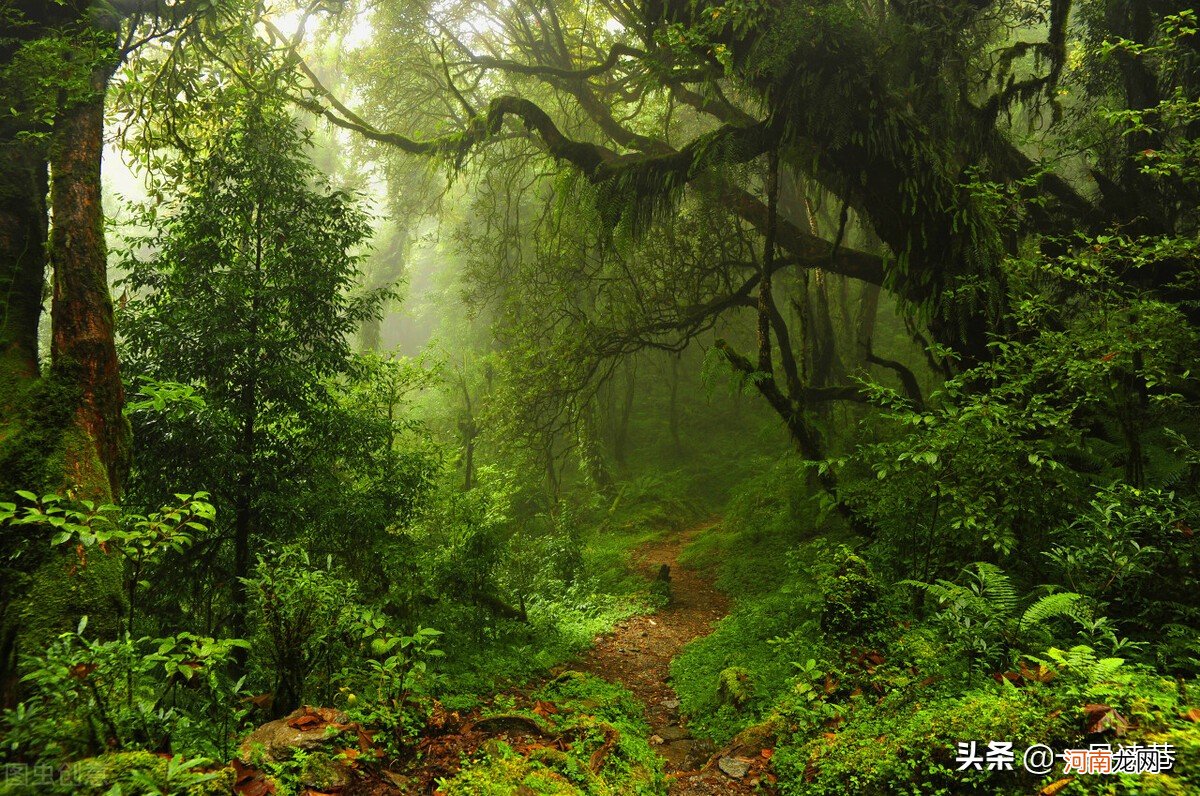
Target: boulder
x=732, y=767
x=305, y=729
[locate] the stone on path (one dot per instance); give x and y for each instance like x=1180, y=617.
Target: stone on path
x=732, y=767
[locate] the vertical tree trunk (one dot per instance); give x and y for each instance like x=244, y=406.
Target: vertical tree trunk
x=387, y=270
x=23, y=186
x=673, y=405
x=621, y=432
x=243, y=520
x=591, y=454
x=23, y=175
x=864, y=332
x=827, y=367
x=83, y=348
x=469, y=431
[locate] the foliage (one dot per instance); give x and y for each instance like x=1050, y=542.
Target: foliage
x=380, y=690
x=142, y=541
x=91, y=695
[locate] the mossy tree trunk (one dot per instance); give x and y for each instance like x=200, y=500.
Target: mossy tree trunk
x=23, y=186
x=63, y=432
x=83, y=352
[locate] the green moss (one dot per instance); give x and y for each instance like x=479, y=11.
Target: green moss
x=43, y=449
x=135, y=773
x=607, y=752
x=322, y=772
x=31, y=442
x=506, y=773
x=900, y=747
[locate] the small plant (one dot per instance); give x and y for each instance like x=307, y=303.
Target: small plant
x=304, y=613
x=90, y=696
x=979, y=615
x=381, y=690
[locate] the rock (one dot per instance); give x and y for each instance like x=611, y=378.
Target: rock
x=752, y=740
x=507, y=722
x=732, y=767
x=674, y=733
x=671, y=704
x=655, y=740
x=279, y=739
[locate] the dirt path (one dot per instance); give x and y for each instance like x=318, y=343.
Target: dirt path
x=638, y=652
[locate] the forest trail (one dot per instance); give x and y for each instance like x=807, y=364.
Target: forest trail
x=637, y=654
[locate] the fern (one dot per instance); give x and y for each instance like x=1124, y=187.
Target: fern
x=1105, y=668
x=1052, y=606
x=1081, y=661
x=996, y=588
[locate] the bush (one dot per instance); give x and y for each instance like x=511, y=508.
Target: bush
x=90, y=696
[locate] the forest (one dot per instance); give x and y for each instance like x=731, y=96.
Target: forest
x=599, y=397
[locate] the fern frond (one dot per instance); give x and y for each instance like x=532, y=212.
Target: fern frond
x=943, y=591
x=996, y=588
x=1063, y=603
x=1105, y=668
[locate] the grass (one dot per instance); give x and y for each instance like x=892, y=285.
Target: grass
x=763, y=556
x=564, y=620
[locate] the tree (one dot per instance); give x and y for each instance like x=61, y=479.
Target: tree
x=63, y=428
x=245, y=295
x=912, y=117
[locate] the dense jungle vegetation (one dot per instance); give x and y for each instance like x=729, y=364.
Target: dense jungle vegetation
x=392, y=393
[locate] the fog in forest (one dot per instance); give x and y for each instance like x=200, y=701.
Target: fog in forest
x=675, y=397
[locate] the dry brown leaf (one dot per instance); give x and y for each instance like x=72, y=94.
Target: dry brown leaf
x=1104, y=717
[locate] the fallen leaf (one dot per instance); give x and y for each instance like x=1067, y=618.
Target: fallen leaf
x=1192, y=715
x=1042, y=674
x=767, y=754
x=1104, y=717
x=250, y=781
x=305, y=722
x=261, y=701
x=544, y=708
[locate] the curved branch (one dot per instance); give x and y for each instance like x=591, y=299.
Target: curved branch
x=912, y=388
x=615, y=54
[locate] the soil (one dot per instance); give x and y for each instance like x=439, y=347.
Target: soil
x=638, y=653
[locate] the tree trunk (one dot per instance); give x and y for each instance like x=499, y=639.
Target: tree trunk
x=23, y=186
x=65, y=433
x=673, y=404
x=865, y=329
x=83, y=348
x=387, y=270
x=243, y=520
